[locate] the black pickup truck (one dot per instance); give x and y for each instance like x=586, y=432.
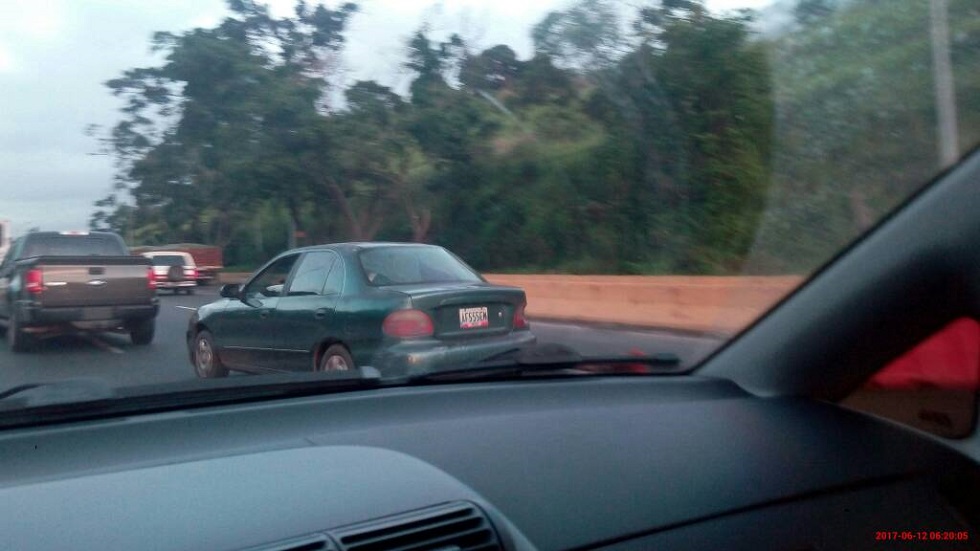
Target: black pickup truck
x=56, y=282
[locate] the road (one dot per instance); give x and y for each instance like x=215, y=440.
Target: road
x=112, y=357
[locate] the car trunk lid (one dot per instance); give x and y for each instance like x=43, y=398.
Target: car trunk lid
x=460, y=310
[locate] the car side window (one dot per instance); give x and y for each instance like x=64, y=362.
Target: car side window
x=311, y=275
x=335, y=281
x=270, y=282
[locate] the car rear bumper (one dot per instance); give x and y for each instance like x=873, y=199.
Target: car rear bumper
x=176, y=284
x=30, y=315
x=415, y=357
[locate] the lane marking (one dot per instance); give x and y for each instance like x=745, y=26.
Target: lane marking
x=186, y=308
x=104, y=345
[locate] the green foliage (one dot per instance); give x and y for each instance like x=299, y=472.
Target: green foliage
x=585, y=36
x=857, y=123
x=682, y=149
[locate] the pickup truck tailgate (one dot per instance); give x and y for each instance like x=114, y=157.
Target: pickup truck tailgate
x=108, y=282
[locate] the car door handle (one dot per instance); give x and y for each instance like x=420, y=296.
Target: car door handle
x=320, y=313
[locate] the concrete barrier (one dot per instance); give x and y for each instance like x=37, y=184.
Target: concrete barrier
x=702, y=304
x=687, y=303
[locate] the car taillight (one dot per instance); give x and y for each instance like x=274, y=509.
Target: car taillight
x=193, y=273
x=407, y=324
x=34, y=281
x=151, y=278
x=520, y=322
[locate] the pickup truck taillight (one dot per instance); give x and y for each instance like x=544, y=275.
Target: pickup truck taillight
x=151, y=278
x=34, y=281
x=193, y=273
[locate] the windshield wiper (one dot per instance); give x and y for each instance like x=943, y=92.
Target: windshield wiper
x=78, y=390
x=552, y=360
x=75, y=399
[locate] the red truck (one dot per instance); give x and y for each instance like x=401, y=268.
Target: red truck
x=209, y=259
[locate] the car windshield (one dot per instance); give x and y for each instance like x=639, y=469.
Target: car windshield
x=167, y=260
x=71, y=245
x=406, y=265
x=622, y=178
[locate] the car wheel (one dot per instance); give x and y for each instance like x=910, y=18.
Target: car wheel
x=141, y=332
x=190, y=290
x=17, y=339
x=336, y=358
x=206, y=361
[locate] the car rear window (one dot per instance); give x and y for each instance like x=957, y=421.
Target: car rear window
x=167, y=260
x=408, y=265
x=73, y=245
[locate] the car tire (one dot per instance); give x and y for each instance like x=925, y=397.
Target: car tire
x=141, y=332
x=190, y=290
x=17, y=339
x=207, y=364
x=335, y=358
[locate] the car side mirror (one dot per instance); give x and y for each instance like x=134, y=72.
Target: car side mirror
x=231, y=290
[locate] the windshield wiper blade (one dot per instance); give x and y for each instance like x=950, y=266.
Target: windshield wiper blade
x=86, y=390
x=74, y=399
x=554, y=360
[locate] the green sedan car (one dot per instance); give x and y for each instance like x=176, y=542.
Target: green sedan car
x=401, y=308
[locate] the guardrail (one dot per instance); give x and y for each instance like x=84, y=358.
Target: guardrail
x=702, y=304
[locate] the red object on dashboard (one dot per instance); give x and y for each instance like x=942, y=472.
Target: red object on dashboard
x=948, y=359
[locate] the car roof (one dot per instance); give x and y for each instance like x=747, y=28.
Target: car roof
x=354, y=246
x=72, y=233
x=164, y=253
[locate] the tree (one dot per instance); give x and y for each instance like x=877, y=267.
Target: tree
x=586, y=36
x=810, y=12
x=232, y=116
x=857, y=123
x=493, y=69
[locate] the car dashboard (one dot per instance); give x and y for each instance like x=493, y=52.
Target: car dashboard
x=674, y=462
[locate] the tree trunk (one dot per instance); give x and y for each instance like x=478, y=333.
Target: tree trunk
x=353, y=224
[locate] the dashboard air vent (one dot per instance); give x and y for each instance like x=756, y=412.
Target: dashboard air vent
x=456, y=526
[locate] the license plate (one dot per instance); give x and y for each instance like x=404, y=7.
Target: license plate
x=96, y=313
x=471, y=318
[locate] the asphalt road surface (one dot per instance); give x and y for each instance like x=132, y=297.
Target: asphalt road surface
x=112, y=357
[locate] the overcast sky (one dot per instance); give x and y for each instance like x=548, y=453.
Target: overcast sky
x=55, y=56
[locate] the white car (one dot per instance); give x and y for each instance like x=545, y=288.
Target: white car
x=174, y=270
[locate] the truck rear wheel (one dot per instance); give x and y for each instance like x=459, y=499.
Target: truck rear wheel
x=141, y=332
